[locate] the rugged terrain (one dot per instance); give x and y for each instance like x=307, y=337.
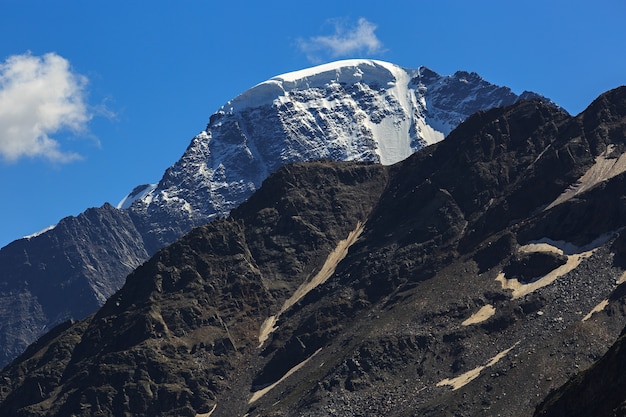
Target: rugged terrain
x=348, y=110
x=473, y=278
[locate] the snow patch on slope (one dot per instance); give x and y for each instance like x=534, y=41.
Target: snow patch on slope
x=327, y=270
x=139, y=193
x=607, y=165
x=42, y=231
x=575, y=256
x=464, y=379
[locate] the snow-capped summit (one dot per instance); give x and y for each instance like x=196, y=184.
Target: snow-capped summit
x=375, y=98
x=346, y=110
x=341, y=72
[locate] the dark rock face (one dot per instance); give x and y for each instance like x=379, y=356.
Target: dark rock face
x=471, y=279
x=529, y=267
x=226, y=276
x=598, y=391
x=77, y=252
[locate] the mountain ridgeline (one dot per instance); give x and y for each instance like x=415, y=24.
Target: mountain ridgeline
x=473, y=278
x=348, y=110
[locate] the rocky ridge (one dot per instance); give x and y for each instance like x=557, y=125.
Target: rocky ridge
x=349, y=110
x=472, y=278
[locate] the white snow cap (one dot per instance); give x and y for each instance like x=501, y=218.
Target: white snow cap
x=41, y=232
x=348, y=71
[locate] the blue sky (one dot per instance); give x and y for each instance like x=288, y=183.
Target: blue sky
x=97, y=97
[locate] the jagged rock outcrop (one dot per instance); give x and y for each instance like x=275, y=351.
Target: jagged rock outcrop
x=472, y=278
x=348, y=110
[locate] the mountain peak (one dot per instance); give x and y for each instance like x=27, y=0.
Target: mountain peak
x=353, y=110
x=609, y=106
x=445, y=284
x=347, y=71
x=360, y=109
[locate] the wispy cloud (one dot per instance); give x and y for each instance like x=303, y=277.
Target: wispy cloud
x=40, y=96
x=347, y=39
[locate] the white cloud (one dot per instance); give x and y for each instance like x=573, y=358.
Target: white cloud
x=39, y=96
x=347, y=40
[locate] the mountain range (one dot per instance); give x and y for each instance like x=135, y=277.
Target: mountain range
x=349, y=110
x=482, y=275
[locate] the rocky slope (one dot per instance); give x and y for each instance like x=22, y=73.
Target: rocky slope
x=63, y=274
x=472, y=278
x=598, y=391
x=349, y=110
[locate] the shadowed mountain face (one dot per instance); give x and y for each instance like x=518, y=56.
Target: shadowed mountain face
x=349, y=110
x=59, y=275
x=598, y=391
x=470, y=279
